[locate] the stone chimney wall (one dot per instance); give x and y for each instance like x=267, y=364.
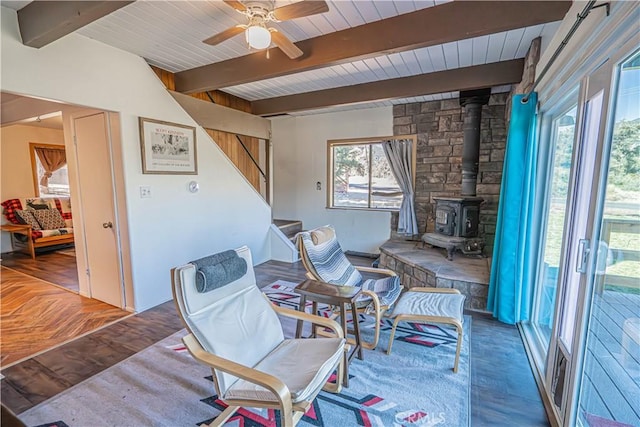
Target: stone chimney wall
x=528, y=74
x=438, y=125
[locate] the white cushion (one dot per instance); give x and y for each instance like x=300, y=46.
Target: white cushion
x=430, y=304
x=304, y=365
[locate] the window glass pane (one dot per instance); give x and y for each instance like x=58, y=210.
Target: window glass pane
x=351, y=176
x=385, y=192
x=563, y=137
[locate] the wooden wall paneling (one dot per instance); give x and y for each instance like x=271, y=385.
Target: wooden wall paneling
x=219, y=97
x=166, y=77
x=234, y=151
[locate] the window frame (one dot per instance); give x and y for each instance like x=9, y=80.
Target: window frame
x=364, y=141
x=34, y=166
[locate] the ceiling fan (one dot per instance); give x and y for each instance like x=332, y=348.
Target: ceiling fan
x=259, y=14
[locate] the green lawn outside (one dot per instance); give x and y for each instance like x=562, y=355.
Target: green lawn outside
x=618, y=241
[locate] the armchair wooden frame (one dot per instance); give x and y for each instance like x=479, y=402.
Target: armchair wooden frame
x=291, y=412
x=378, y=311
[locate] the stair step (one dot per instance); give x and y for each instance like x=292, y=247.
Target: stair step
x=289, y=227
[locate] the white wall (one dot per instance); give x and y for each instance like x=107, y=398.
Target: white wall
x=16, y=179
x=173, y=226
x=16, y=173
x=300, y=160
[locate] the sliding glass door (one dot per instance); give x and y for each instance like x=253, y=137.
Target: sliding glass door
x=610, y=380
x=574, y=262
x=562, y=135
x=583, y=335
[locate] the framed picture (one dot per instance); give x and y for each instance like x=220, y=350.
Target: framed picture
x=167, y=148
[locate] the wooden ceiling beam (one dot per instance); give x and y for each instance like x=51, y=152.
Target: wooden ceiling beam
x=43, y=22
x=467, y=78
x=436, y=25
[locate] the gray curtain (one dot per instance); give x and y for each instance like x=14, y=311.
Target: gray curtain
x=399, y=152
x=52, y=159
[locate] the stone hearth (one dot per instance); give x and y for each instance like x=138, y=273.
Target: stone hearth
x=429, y=267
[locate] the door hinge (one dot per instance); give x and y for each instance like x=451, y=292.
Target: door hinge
x=88, y=273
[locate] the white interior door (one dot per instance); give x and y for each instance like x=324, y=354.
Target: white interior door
x=92, y=139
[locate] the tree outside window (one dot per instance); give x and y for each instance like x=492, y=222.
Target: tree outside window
x=361, y=177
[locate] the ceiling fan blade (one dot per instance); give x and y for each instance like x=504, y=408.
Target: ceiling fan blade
x=224, y=35
x=236, y=5
x=286, y=45
x=300, y=9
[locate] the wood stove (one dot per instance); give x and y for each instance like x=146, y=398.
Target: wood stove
x=457, y=218
x=456, y=226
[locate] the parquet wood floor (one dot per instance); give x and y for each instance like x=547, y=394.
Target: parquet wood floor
x=49, y=266
x=35, y=315
x=503, y=391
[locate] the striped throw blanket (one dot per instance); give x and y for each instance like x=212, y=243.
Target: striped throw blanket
x=330, y=263
x=332, y=266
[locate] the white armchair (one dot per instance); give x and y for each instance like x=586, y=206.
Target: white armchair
x=235, y=330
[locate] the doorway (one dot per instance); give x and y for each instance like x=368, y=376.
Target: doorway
x=91, y=135
x=92, y=142
x=35, y=175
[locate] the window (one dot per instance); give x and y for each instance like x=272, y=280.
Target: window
x=360, y=176
x=49, y=157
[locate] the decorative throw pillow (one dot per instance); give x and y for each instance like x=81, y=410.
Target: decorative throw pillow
x=26, y=217
x=322, y=235
x=37, y=206
x=49, y=219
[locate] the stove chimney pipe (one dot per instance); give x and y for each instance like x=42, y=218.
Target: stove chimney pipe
x=472, y=101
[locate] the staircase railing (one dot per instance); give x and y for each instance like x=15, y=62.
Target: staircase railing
x=251, y=157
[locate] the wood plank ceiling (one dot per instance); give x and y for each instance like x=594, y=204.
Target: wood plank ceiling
x=169, y=34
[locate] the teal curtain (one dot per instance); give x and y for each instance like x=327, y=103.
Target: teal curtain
x=513, y=251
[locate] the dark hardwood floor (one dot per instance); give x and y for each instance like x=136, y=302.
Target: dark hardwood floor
x=503, y=391
x=52, y=267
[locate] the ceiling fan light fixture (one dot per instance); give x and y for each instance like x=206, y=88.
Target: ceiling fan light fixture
x=258, y=37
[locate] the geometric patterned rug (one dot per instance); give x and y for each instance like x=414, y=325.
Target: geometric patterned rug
x=163, y=386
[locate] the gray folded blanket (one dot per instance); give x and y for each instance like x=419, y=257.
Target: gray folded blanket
x=215, y=271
